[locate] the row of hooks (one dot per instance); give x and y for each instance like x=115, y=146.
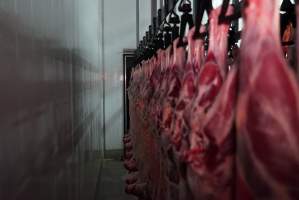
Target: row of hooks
x=161, y=34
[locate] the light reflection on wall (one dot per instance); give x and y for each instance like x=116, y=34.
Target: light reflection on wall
x=119, y=33
x=51, y=139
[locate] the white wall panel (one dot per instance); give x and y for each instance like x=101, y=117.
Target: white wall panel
x=144, y=17
x=51, y=138
x=119, y=33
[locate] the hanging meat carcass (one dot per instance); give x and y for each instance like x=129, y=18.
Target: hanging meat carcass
x=268, y=109
x=215, y=165
x=188, y=90
x=187, y=93
x=297, y=41
x=202, y=134
x=169, y=105
x=155, y=84
x=173, y=87
x=162, y=87
x=212, y=73
x=138, y=93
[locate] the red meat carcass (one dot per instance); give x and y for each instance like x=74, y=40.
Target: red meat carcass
x=268, y=109
x=209, y=84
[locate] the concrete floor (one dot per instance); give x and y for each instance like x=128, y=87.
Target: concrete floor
x=112, y=181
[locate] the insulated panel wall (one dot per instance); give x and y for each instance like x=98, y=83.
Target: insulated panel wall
x=119, y=34
x=51, y=86
x=144, y=17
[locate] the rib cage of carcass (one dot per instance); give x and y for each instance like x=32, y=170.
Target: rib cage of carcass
x=205, y=128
